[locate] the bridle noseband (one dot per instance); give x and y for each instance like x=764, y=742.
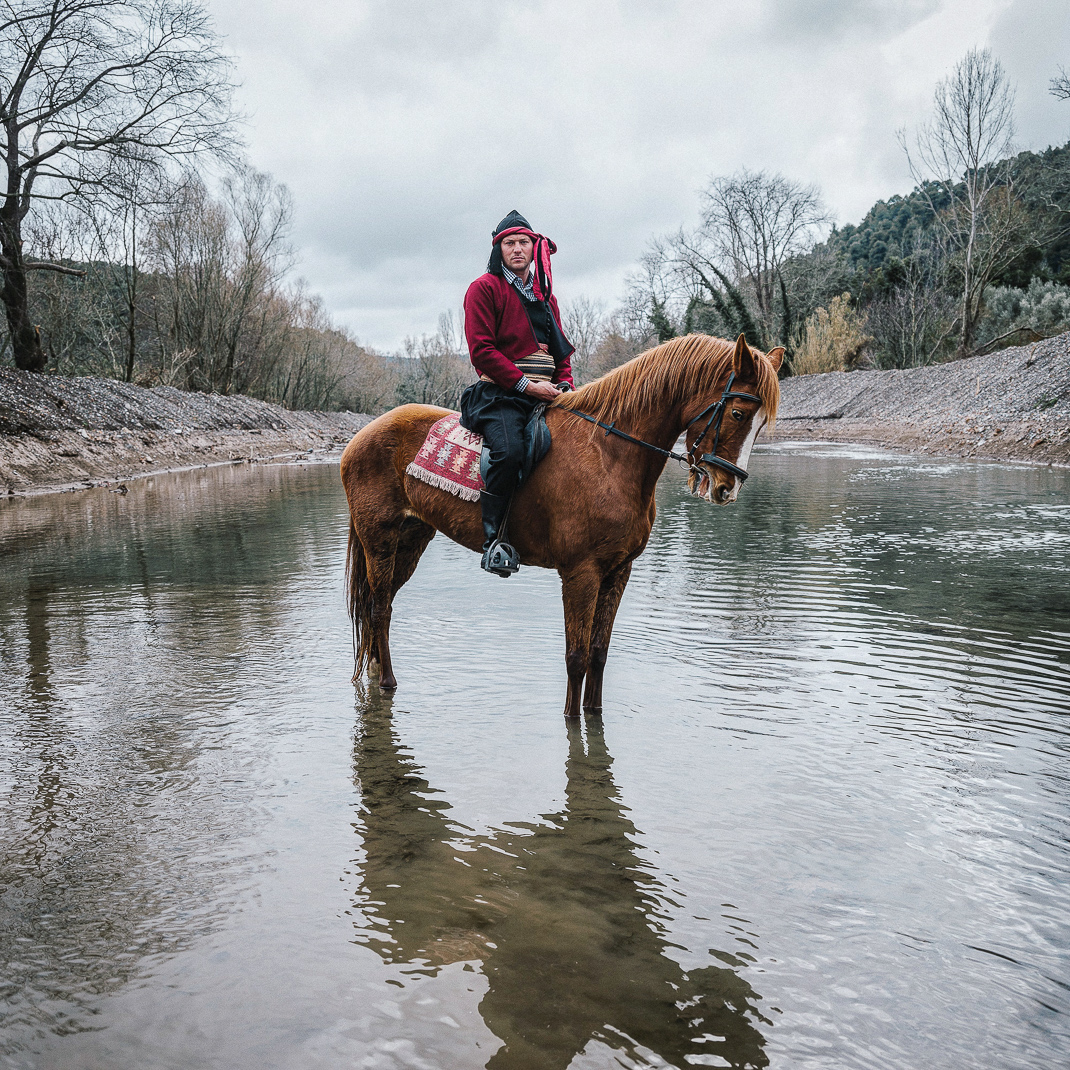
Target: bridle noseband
x=690, y=460
x=716, y=411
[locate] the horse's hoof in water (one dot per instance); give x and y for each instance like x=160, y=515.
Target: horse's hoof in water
x=388, y=683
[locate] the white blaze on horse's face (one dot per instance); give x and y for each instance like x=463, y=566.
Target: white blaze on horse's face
x=756, y=425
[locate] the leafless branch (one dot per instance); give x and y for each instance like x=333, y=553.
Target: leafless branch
x=960, y=160
x=44, y=265
x=88, y=86
x=1059, y=86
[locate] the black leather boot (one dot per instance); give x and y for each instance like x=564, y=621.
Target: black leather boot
x=498, y=556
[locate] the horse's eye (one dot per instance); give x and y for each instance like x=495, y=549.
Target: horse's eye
x=737, y=415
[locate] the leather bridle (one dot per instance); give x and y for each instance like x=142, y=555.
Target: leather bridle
x=716, y=411
x=691, y=459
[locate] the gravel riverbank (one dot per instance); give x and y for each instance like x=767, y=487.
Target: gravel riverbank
x=1010, y=405
x=65, y=434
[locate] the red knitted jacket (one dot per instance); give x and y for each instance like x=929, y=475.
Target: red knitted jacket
x=499, y=333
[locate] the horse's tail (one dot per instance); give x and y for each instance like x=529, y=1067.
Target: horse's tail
x=358, y=602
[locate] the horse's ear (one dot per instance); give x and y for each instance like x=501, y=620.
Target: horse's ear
x=742, y=361
x=776, y=357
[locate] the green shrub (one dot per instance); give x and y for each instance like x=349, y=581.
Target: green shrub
x=1042, y=308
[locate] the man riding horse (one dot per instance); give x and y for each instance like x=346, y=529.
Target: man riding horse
x=513, y=328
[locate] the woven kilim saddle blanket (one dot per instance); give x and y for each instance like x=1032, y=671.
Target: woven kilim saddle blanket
x=449, y=459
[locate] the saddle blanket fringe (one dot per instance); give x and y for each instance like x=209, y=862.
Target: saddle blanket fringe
x=449, y=459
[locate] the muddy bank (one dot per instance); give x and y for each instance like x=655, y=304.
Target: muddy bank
x=1010, y=405
x=58, y=434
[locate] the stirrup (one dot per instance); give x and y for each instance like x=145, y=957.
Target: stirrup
x=500, y=558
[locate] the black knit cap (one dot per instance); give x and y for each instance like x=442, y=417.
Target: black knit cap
x=513, y=219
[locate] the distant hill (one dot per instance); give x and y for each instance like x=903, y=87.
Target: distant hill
x=871, y=250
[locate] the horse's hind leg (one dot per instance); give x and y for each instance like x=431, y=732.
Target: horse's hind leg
x=392, y=556
x=609, y=596
x=412, y=541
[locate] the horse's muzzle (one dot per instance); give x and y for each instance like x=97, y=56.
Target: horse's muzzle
x=702, y=484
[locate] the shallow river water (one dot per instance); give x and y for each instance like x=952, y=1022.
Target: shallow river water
x=823, y=821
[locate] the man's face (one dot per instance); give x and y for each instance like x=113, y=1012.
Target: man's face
x=517, y=253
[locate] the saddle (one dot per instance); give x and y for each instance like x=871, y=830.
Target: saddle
x=454, y=460
x=536, y=445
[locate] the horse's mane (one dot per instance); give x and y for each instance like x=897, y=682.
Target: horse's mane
x=679, y=368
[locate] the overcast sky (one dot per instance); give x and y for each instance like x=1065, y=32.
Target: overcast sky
x=407, y=128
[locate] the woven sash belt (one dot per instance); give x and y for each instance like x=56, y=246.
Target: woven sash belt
x=539, y=367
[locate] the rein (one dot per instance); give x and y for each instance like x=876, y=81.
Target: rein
x=689, y=460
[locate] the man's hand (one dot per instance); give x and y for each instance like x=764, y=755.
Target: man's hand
x=542, y=391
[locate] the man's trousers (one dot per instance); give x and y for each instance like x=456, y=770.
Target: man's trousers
x=500, y=416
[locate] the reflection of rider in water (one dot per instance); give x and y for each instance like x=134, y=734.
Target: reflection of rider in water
x=513, y=328
x=566, y=919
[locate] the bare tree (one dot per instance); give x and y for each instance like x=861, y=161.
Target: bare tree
x=190, y=252
x=122, y=214
x=585, y=325
x=960, y=161
x=74, y=315
x=433, y=370
x=659, y=290
x=624, y=337
x=916, y=320
x=85, y=84
x=1059, y=86
x=755, y=222
x=261, y=210
x=310, y=371
x=731, y=273
x=221, y=264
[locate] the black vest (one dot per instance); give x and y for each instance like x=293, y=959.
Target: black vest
x=545, y=328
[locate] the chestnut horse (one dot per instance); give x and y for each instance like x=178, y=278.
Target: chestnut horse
x=587, y=509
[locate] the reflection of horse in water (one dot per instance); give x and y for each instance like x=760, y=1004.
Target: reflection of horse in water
x=586, y=511
x=566, y=919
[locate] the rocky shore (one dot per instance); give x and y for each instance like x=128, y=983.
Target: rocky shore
x=1010, y=405
x=66, y=434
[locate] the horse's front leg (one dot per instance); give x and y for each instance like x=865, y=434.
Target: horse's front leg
x=605, y=613
x=579, y=592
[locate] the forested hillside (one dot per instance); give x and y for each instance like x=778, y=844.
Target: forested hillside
x=882, y=293
x=873, y=251
x=976, y=256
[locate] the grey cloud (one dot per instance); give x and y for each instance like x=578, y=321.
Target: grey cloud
x=447, y=32
x=407, y=129
x=1032, y=38
x=833, y=20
